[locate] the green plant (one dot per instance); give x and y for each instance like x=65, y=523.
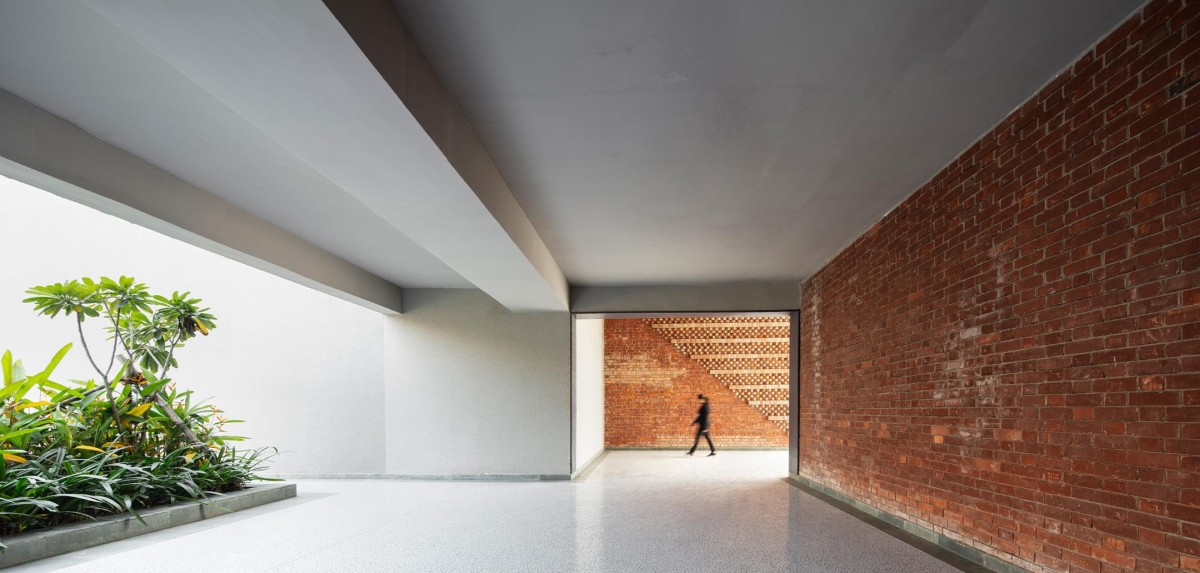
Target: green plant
x=148, y=328
x=130, y=440
x=58, y=487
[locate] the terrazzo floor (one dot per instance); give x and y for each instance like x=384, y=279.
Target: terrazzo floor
x=637, y=511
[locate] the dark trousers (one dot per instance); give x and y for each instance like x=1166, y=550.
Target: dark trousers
x=703, y=431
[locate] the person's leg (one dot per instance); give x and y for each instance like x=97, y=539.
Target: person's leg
x=712, y=450
x=696, y=442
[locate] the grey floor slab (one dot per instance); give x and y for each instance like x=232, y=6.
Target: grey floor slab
x=637, y=511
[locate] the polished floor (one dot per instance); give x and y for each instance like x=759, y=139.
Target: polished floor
x=637, y=511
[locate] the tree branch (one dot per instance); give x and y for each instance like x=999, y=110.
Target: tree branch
x=171, y=413
x=183, y=427
x=107, y=387
x=170, y=356
x=116, y=320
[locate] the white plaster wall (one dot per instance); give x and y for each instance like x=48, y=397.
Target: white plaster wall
x=303, y=368
x=589, y=390
x=475, y=389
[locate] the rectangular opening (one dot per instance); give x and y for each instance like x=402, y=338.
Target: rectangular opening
x=636, y=378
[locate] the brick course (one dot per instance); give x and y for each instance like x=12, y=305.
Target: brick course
x=1012, y=356
x=650, y=389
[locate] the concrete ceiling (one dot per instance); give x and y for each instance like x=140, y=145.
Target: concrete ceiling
x=691, y=141
x=680, y=142
x=69, y=59
x=272, y=106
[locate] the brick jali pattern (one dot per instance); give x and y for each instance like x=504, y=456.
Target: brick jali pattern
x=749, y=355
x=1012, y=356
x=655, y=367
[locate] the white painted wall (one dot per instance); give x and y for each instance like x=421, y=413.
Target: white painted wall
x=457, y=385
x=589, y=390
x=303, y=368
x=475, y=389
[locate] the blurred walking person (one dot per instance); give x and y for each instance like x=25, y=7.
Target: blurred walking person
x=701, y=423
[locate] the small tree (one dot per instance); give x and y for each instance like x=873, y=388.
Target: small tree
x=146, y=331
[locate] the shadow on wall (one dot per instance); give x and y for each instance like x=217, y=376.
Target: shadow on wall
x=473, y=388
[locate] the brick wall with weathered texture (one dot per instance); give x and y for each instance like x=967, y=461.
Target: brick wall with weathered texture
x=1012, y=356
x=654, y=368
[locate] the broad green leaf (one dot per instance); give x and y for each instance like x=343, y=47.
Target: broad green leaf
x=151, y=388
x=58, y=357
x=83, y=404
x=6, y=363
x=57, y=387
x=18, y=371
x=14, y=435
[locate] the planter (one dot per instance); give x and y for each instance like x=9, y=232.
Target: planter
x=45, y=543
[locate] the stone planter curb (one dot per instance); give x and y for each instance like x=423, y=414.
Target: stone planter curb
x=45, y=543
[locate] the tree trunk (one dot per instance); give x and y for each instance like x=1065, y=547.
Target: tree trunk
x=183, y=427
x=131, y=373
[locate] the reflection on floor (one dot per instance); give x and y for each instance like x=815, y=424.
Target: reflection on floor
x=637, y=511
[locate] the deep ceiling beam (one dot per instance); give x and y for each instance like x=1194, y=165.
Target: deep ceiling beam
x=721, y=298
x=43, y=150
x=380, y=34
x=308, y=86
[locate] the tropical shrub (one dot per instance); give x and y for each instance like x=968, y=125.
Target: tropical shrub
x=126, y=440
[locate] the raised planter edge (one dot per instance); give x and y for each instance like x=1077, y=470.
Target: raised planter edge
x=45, y=543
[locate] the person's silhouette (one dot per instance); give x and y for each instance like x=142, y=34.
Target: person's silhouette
x=701, y=423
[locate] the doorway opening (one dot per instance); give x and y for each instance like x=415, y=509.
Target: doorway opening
x=637, y=379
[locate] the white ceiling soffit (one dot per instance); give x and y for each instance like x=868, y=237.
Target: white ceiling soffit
x=69, y=60
x=290, y=70
x=52, y=154
x=711, y=141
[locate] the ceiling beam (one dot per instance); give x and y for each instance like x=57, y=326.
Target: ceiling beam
x=380, y=34
x=749, y=297
x=308, y=85
x=45, y=151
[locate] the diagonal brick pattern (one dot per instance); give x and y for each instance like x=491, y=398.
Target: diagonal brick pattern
x=748, y=355
x=650, y=383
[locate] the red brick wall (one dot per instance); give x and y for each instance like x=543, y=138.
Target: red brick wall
x=1012, y=356
x=650, y=390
